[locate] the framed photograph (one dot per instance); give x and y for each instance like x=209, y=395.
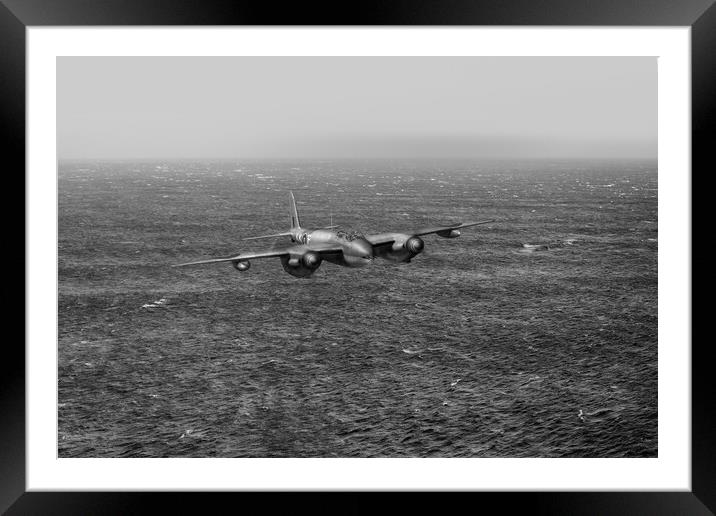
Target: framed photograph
x=243, y=270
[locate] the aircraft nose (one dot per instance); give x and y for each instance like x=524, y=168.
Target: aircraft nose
x=363, y=249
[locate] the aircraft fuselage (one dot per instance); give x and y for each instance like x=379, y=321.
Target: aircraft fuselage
x=357, y=251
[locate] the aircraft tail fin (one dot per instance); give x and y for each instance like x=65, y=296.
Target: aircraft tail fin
x=295, y=221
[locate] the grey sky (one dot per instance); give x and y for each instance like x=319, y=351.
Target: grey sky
x=333, y=107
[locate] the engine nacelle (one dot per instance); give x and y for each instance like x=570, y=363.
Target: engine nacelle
x=404, y=249
x=311, y=260
x=242, y=265
x=302, y=266
x=414, y=244
x=449, y=233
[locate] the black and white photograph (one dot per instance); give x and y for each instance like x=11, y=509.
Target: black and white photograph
x=396, y=257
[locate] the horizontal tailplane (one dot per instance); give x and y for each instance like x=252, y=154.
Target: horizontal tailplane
x=288, y=233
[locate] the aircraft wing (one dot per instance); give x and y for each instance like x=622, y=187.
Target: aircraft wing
x=427, y=231
x=381, y=238
x=386, y=238
x=295, y=249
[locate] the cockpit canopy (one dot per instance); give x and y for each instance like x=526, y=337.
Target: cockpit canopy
x=349, y=235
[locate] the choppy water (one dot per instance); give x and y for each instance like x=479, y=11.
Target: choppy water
x=535, y=336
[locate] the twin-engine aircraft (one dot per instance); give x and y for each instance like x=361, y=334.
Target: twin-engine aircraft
x=310, y=247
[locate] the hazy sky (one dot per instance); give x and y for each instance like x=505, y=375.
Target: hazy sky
x=333, y=107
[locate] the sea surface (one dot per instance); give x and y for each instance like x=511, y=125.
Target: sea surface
x=533, y=336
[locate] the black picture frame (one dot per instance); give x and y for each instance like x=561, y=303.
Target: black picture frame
x=17, y=15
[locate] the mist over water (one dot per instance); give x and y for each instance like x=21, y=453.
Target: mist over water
x=534, y=336
x=357, y=107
